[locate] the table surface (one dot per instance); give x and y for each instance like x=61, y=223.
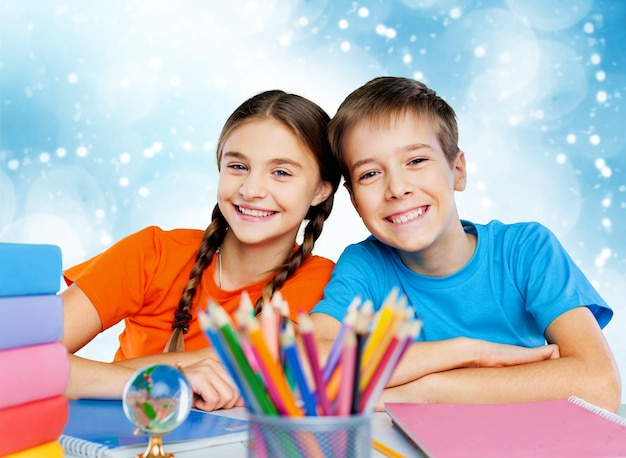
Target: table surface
x=382, y=431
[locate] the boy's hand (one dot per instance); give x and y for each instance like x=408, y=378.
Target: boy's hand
x=491, y=354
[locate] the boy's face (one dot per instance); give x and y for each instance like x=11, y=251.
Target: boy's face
x=402, y=185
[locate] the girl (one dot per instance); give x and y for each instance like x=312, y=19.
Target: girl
x=276, y=170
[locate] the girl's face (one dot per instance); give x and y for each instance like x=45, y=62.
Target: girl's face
x=268, y=180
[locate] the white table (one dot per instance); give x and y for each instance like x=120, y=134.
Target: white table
x=382, y=430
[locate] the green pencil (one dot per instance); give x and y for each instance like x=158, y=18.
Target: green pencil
x=230, y=338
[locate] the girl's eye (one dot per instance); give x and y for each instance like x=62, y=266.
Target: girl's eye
x=236, y=166
x=282, y=173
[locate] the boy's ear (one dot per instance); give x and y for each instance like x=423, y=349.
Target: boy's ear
x=345, y=185
x=323, y=191
x=460, y=172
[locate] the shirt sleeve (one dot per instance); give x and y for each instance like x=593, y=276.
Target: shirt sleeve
x=306, y=287
x=358, y=273
x=552, y=283
x=115, y=281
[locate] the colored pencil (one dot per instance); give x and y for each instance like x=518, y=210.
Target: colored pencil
x=274, y=376
x=246, y=309
x=269, y=326
x=361, y=330
x=348, y=359
x=413, y=328
x=308, y=341
x=385, y=450
x=398, y=314
x=366, y=390
x=293, y=362
x=381, y=322
x=207, y=325
x=336, y=349
x=239, y=358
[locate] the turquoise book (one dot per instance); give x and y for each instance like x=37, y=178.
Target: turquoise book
x=99, y=428
x=27, y=269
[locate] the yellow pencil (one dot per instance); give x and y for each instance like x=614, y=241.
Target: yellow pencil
x=385, y=450
x=381, y=324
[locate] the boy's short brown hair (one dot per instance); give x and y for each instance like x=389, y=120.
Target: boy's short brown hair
x=383, y=98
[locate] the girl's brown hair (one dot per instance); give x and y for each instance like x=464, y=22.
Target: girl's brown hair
x=309, y=123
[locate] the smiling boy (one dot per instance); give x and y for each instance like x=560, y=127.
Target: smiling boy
x=397, y=144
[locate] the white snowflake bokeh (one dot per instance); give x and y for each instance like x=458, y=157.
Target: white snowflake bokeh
x=110, y=111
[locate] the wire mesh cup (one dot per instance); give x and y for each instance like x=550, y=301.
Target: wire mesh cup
x=324, y=436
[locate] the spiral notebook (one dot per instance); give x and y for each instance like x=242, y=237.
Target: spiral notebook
x=566, y=427
x=99, y=428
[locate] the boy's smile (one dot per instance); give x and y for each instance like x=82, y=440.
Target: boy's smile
x=403, y=188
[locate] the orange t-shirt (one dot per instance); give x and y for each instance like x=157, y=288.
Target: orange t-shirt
x=140, y=280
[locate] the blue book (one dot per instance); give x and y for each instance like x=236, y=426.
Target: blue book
x=30, y=320
x=99, y=428
x=27, y=269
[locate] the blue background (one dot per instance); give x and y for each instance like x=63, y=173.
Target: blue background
x=110, y=111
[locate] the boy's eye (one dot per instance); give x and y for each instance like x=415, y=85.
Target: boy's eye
x=416, y=161
x=366, y=175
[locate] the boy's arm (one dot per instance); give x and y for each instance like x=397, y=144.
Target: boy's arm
x=423, y=358
x=586, y=368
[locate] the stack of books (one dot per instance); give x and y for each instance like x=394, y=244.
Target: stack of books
x=34, y=364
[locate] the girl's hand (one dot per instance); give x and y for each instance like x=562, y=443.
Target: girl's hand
x=212, y=386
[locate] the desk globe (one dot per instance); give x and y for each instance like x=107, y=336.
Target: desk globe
x=157, y=399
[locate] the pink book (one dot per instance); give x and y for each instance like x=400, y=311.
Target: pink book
x=566, y=427
x=32, y=373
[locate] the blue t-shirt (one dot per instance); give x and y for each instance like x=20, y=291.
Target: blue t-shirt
x=518, y=280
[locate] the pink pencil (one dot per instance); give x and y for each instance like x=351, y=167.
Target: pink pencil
x=348, y=360
x=245, y=310
x=306, y=332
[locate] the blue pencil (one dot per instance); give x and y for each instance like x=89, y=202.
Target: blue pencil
x=220, y=348
x=290, y=351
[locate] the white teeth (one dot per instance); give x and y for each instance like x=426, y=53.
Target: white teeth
x=407, y=217
x=256, y=213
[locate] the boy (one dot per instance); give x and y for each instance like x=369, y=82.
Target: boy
x=396, y=142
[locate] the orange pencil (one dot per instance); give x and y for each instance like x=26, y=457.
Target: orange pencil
x=276, y=381
x=269, y=325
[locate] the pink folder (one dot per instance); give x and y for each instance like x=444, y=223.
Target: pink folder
x=566, y=427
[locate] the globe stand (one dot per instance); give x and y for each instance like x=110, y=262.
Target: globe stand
x=155, y=449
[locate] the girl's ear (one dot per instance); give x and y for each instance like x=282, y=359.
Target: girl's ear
x=323, y=191
x=460, y=172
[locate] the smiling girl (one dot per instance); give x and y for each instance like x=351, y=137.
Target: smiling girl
x=276, y=170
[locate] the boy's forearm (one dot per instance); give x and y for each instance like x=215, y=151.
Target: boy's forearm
x=550, y=379
x=423, y=358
